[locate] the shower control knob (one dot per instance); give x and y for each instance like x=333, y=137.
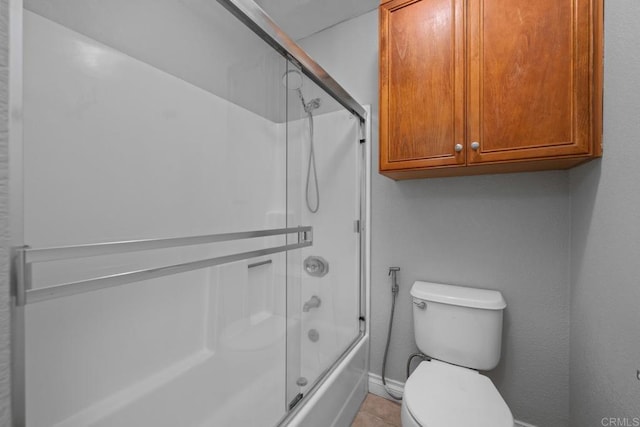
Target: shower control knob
x=316, y=266
x=458, y=148
x=475, y=145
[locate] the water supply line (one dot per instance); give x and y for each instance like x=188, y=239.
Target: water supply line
x=413, y=356
x=393, y=271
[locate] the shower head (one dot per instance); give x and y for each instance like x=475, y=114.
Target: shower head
x=292, y=80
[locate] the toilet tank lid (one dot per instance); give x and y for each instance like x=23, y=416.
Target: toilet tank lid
x=458, y=295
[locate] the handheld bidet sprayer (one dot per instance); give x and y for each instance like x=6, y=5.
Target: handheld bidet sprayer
x=393, y=272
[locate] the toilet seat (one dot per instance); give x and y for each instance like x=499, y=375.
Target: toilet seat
x=438, y=394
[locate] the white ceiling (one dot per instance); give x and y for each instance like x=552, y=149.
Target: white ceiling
x=301, y=18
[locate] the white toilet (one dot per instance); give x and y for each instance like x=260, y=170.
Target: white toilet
x=461, y=330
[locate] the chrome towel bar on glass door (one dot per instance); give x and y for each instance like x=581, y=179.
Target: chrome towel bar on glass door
x=23, y=259
x=97, y=249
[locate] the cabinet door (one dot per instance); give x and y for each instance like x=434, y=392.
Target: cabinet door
x=530, y=85
x=421, y=84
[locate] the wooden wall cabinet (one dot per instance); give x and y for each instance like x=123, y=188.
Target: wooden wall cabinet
x=489, y=86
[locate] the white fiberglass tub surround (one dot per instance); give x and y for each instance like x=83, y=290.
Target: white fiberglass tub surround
x=116, y=149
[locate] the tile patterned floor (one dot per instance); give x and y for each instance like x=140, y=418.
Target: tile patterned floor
x=377, y=411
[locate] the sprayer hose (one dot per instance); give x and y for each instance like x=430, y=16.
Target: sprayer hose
x=386, y=350
x=312, y=164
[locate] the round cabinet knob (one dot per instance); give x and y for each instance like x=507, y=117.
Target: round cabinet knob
x=475, y=145
x=458, y=148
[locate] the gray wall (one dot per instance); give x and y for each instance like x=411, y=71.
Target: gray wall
x=605, y=288
x=506, y=232
x=5, y=380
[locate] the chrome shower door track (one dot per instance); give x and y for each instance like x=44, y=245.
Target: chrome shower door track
x=261, y=23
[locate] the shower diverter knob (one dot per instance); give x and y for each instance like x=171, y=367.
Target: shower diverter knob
x=316, y=266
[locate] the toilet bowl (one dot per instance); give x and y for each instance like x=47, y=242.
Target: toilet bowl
x=439, y=394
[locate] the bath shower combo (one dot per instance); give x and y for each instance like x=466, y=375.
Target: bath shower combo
x=183, y=271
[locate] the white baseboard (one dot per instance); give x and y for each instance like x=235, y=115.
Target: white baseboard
x=376, y=387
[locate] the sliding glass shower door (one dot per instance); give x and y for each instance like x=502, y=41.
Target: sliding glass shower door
x=148, y=126
x=191, y=207
x=323, y=191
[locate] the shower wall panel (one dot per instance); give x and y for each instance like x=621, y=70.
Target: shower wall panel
x=194, y=40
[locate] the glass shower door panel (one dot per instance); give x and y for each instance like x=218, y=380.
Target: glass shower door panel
x=323, y=191
x=191, y=349
x=154, y=123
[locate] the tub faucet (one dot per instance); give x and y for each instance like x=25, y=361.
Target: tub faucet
x=314, y=302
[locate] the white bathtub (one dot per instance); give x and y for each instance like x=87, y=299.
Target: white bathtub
x=241, y=383
x=338, y=398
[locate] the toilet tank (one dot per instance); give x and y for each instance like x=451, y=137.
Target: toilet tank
x=458, y=325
